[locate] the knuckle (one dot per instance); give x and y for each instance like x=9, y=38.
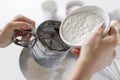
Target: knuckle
x=115, y=42
x=19, y=16
x=10, y=25
x=96, y=34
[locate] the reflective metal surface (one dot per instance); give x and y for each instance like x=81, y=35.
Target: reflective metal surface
x=49, y=49
x=33, y=71
x=46, y=44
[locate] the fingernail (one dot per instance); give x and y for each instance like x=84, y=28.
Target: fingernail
x=31, y=27
x=98, y=26
x=102, y=25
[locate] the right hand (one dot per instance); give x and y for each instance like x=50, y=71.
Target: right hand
x=99, y=52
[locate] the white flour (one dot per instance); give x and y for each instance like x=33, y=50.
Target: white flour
x=78, y=27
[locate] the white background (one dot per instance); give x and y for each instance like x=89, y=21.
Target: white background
x=9, y=56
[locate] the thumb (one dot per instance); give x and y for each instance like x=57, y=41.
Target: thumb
x=99, y=30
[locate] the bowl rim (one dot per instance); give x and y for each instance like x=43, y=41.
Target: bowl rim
x=77, y=11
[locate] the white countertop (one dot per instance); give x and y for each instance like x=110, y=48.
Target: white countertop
x=9, y=56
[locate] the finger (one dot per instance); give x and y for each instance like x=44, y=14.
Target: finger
x=112, y=38
x=112, y=31
x=115, y=23
x=19, y=25
x=99, y=30
x=24, y=19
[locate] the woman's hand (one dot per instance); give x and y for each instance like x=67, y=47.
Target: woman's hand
x=19, y=22
x=97, y=53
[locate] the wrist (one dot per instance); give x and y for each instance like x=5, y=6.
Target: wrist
x=82, y=70
x=86, y=64
x=87, y=69
x=2, y=41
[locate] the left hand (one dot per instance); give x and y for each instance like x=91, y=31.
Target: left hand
x=19, y=22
